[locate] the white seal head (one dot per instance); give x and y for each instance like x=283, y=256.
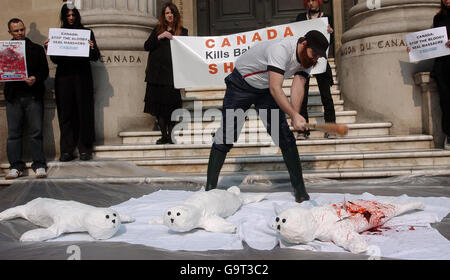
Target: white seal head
x=102, y=223
x=182, y=218
x=296, y=225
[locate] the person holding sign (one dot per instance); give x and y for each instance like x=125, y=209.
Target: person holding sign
x=441, y=71
x=324, y=80
x=258, y=80
x=161, y=98
x=74, y=92
x=24, y=102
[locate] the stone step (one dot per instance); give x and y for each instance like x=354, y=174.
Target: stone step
x=263, y=147
x=312, y=106
x=218, y=91
x=267, y=179
x=202, y=135
x=214, y=117
x=217, y=99
x=341, y=161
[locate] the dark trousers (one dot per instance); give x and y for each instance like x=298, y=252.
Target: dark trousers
x=75, y=104
x=239, y=97
x=443, y=84
x=324, y=81
x=19, y=111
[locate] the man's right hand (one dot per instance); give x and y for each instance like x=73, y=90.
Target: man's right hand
x=297, y=122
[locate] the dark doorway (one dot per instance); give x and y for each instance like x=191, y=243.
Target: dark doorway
x=222, y=17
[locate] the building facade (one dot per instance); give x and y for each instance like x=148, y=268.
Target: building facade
x=375, y=75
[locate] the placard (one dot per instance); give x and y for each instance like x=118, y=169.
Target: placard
x=13, y=65
x=69, y=42
x=206, y=61
x=427, y=44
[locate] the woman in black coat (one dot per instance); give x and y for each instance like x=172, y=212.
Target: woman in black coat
x=324, y=80
x=441, y=71
x=161, y=98
x=74, y=92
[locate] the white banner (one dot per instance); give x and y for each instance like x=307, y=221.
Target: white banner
x=427, y=44
x=206, y=61
x=13, y=63
x=68, y=42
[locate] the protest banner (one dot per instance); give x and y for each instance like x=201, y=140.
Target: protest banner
x=206, y=61
x=427, y=44
x=13, y=66
x=69, y=42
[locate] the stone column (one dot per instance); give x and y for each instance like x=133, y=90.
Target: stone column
x=121, y=28
x=375, y=74
x=431, y=109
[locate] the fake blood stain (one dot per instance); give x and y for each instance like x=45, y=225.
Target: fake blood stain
x=371, y=211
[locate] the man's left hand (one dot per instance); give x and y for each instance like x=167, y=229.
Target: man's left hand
x=30, y=80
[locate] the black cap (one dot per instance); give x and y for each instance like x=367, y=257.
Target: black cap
x=318, y=42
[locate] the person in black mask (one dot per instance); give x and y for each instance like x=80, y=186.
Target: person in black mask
x=74, y=92
x=324, y=80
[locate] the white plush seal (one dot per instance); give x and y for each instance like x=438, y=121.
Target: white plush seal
x=207, y=210
x=60, y=216
x=340, y=223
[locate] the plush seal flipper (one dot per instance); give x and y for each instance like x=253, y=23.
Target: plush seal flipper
x=12, y=213
x=406, y=207
x=215, y=223
x=247, y=197
x=41, y=234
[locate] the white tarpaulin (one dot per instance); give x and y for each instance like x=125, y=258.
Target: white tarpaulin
x=408, y=236
x=206, y=61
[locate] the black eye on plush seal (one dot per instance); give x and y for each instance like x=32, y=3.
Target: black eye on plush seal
x=107, y=216
x=178, y=214
x=169, y=213
x=277, y=219
x=284, y=221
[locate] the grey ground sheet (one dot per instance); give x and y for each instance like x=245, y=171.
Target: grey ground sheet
x=107, y=193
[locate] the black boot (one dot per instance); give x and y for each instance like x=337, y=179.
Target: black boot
x=292, y=160
x=216, y=160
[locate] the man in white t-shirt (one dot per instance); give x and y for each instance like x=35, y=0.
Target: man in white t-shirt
x=258, y=80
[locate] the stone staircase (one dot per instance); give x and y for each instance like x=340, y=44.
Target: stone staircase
x=367, y=151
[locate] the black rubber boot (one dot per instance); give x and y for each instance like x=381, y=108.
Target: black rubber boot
x=216, y=160
x=292, y=160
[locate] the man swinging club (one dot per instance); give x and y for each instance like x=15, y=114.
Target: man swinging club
x=257, y=80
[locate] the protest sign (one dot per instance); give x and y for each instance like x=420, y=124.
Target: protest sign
x=427, y=44
x=69, y=42
x=13, y=66
x=206, y=61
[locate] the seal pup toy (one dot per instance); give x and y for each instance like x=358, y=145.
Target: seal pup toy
x=61, y=216
x=340, y=223
x=207, y=210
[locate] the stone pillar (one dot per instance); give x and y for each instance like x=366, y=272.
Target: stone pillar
x=431, y=109
x=338, y=24
x=121, y=28
x=375, y=74
x=188, y=13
